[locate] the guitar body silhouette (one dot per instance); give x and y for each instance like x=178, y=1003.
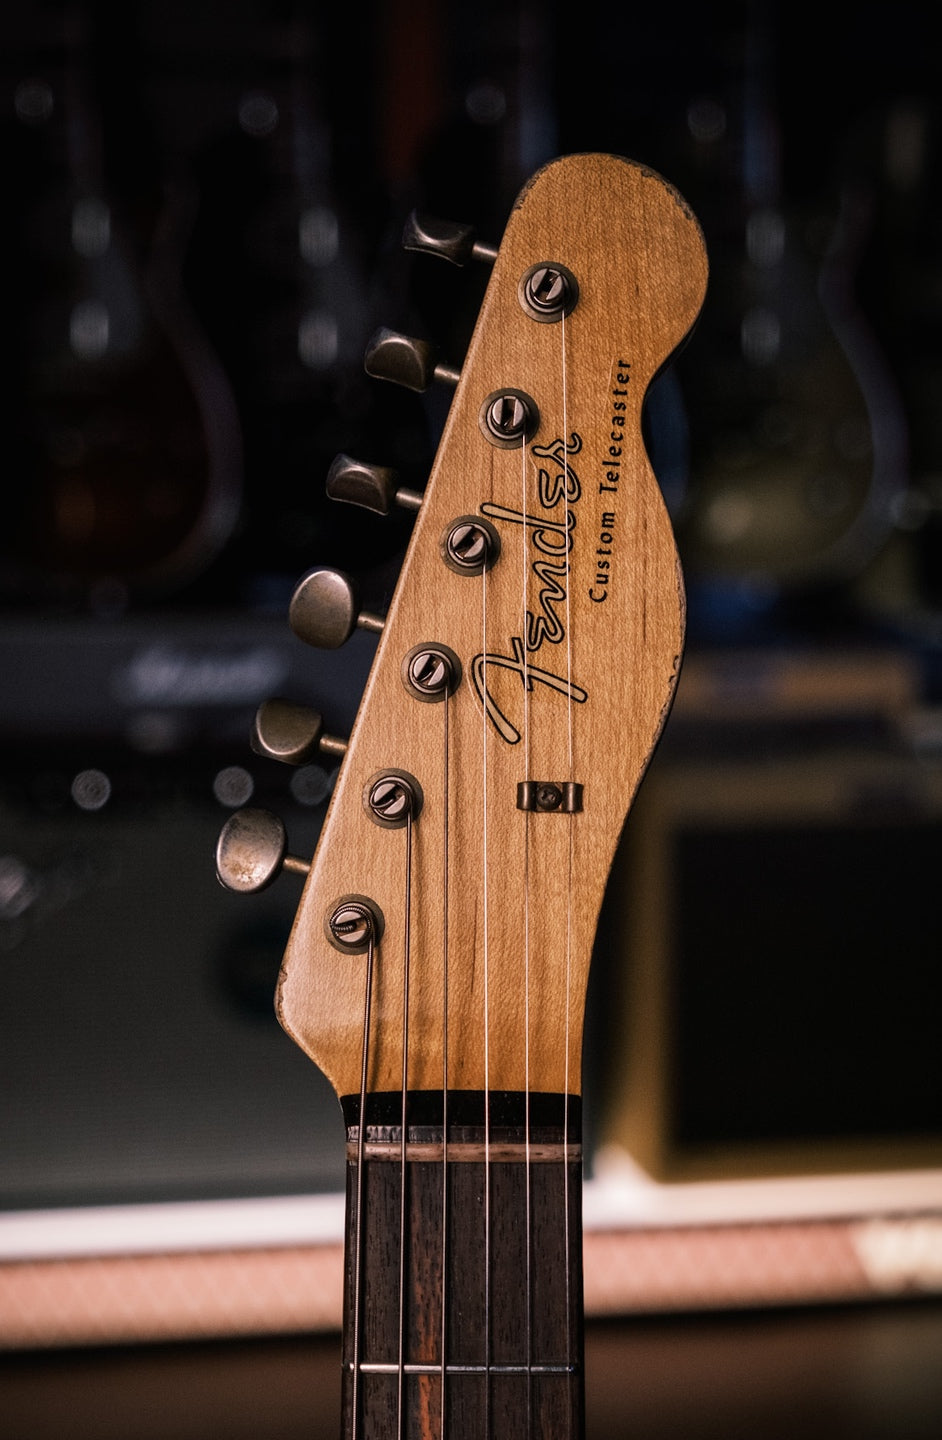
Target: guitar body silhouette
x=122, y=430
x=799, y=444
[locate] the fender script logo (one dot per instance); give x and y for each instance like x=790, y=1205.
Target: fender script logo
x=553, y=540
x=530, y=675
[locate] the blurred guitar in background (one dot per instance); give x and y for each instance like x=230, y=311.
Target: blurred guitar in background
x=800, y=456
x=122, y=431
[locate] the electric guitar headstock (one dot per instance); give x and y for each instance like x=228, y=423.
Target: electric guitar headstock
x=521, y=680
x=537, y=629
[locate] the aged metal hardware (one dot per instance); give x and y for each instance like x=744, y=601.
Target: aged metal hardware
x=548, y=291
x=323, y=609
x=445, y=238
x=392, y=797
x=406, y=360
x=251, y=852
x=373, y=487
x=508, y=418
x=283, y=730
x=431, y=672
x=470, y=545
x=547, y=796
x=353, y=923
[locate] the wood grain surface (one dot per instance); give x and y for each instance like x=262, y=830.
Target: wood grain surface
x=508, y=961
x=490, y=1280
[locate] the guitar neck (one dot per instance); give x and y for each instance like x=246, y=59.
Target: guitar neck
x=437, y=967
x=469, y=1253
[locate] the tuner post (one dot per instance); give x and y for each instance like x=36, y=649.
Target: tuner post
x=353, y=924
x=548, y=291
x=392, y=798
x=509, y=418
x=431, y=672
x=470, y=545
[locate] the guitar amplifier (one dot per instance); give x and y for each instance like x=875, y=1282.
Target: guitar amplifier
x=762, y=999
x=774, y=913
x=770, y=948
x=140, y=1058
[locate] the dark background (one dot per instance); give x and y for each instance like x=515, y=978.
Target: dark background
x=203, y=211
x=254, y=165
x=202, y=206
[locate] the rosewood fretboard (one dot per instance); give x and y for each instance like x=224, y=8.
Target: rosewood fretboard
x=471, y=1248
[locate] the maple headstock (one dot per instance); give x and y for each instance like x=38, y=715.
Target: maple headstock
x=542, y=586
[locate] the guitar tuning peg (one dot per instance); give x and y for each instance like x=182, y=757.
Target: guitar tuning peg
x=323, y=610
x=251, y=852
x=405, y=360
x=292, y=733
x=446, y=239
x=374, y=487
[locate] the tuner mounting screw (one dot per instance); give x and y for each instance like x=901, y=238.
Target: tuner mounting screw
x=508, y=417
x=431, y=672
x=391, y=797
x=470, y=546
x=353, y=924
x=548, y=292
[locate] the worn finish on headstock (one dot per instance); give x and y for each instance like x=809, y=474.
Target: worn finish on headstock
x=605, y=634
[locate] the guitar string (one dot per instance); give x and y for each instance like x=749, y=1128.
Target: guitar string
x=487, y=1048
x=358, y=1250
x=443, y=1339
x=403, y=1174
x=405, y=1040
x=566, y=1167
x=524, y=569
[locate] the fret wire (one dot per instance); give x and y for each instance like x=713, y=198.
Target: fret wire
x=468, y=1152
x=361, y=1137
x=411, y=1367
